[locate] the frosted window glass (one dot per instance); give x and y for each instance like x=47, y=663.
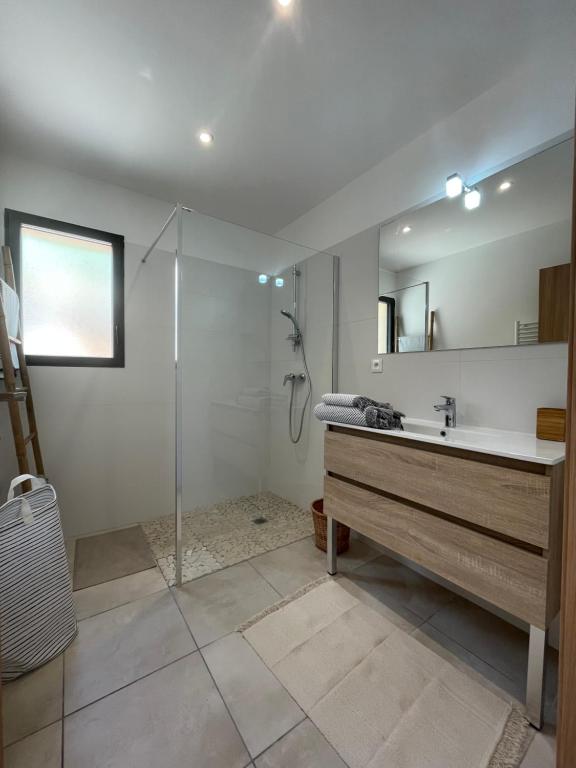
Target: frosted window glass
x=67, y=294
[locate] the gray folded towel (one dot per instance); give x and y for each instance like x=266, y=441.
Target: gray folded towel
x=355, y=401
x=383, y=418
x=336, y=398
x=342, y=414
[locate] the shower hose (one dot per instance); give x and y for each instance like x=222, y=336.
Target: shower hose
x=295, y=435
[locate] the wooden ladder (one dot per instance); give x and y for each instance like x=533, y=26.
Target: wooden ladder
x=13, y=394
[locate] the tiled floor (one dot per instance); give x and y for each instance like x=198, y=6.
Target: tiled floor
x=158, y=676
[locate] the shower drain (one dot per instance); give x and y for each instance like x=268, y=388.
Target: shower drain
x=259, y=520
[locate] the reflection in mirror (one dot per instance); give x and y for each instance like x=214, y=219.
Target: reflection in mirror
x=403, y=320
x=497, y=275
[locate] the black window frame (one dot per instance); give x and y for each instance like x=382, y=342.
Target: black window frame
x=13, y=221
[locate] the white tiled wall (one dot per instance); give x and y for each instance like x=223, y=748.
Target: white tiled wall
x=296, y=471
x=497, y=387
x=225, y=353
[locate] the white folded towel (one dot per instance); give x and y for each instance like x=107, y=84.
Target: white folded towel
x=11, y=306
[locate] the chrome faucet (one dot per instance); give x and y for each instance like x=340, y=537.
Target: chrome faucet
x=449, y=408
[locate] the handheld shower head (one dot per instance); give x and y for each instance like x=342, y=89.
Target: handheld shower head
x=295, y=337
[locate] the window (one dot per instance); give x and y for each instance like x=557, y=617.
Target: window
x=71, y=285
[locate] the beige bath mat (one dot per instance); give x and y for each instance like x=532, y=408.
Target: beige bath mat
x=109, y=556
x=381, y=697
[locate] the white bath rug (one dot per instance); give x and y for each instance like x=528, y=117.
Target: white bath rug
x=379, y=696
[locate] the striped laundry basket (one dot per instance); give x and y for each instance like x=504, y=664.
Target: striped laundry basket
x=37, y=617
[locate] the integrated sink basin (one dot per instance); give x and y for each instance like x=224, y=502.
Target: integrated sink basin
x=497, y=442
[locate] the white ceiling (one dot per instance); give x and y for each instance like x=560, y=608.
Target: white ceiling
x=299, y=103
x=541, y=194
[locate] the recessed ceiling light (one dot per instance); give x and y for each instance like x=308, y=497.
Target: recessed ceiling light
x=205, y=137
x=472, y=199
x=504, y=186
x=406, y=229
x=285, y=3
x=454, y=185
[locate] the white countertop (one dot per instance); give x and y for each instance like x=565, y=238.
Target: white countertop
x=497, y=442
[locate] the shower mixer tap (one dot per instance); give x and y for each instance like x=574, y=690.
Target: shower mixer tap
x=293, y=378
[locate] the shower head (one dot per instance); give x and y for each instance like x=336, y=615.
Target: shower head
x=290, y=316
x=297, y=335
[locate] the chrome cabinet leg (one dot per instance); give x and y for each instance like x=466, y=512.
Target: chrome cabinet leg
x=535, y=680
x=331, y=549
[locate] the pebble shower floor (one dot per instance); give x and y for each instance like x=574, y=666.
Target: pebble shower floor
x=225, y=534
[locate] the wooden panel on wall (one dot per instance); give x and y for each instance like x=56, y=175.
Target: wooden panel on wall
x=504, y=575
x=566, y=734
x=509, y=501
x=554, y=302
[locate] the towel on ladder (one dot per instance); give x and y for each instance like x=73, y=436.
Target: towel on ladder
x=11, y=307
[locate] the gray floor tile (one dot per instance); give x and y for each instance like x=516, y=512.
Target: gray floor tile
x=172, y=718
x=304, y=747
x=498, y=643
x=396, y=585
x=464, y=659
x=261, y=707
x=42, y=749
x=112, y=555
x=216, y=604
x=118, y=647
x=71, y=554
x=111, y=594
x=292, y=567
x=542, y=751
x=490, y=638
x=33, y=701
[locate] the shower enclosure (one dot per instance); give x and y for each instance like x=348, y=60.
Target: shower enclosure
x=255, y=348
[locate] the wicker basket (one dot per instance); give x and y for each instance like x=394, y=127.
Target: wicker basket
x=321, y=529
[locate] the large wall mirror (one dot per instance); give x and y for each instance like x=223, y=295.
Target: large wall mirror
x=495, y=275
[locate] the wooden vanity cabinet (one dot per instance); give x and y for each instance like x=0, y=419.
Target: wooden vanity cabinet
x=490, y=525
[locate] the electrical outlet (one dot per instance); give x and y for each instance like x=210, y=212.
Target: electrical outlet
x=376, y=365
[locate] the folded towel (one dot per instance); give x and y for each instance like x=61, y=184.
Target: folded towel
x=335, y=398
x=366, y=402
x=11, y=306
x=383, y=418
x=342, y=414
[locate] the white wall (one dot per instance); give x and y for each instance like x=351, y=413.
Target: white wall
x=296, y=471
x=479, y=294
x=226, y=372
x=530, y=108
x=106, y=434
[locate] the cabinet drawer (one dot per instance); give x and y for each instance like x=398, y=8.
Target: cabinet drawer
x=504, y=575
x=509, y=501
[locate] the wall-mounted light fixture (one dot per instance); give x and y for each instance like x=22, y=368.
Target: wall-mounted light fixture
x=455, y=185
x=472, y=198
x=279, y=282
x=263, y=279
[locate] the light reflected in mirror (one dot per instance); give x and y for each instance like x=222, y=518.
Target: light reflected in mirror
x=453, y=278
